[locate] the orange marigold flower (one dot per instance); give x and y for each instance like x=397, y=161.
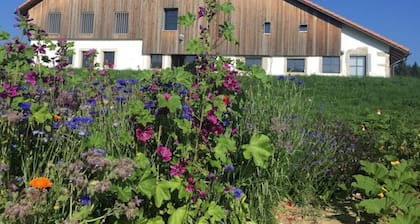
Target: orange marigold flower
x=57, y=117
x=225, y=100
x=40, y=182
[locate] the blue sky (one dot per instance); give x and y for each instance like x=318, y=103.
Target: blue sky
x=397, y=20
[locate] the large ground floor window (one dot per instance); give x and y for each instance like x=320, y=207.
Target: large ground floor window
x=330, y=64
x=295, y=65
x=357, y=65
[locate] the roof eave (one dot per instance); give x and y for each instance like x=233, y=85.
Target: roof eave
x=28, y=4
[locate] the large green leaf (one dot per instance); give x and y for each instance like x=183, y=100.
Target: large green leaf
x=259, y=149
x=187, y=19
x=374, y=206
x=223, y=146
x=184, y=125
x=156, y=220
x=378, y=170
x=163, y=189
x=173, y=103
x=147, y=184
x=215, y=212
x=179, y=216
x=403, y=201
x=40, y=113
x=367, y=184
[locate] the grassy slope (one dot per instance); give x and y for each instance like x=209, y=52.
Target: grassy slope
x=351, y=99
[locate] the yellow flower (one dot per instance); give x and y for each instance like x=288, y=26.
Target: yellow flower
x=40, y=183
x=395, y=163
x=381, y=195
x=56, y=207
x=384, y=189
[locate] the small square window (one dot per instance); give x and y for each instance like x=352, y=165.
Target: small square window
x=109, y=59
x=303, y=28
x=171, y=19
x=295, y=65
x=121, y=22
x=156, y=61
x=54, y=22
x=331, y=64
x=267, y=27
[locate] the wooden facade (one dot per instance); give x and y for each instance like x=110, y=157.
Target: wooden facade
x=146, y=18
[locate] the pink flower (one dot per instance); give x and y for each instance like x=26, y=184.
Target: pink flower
x=177, y=169
x=191, y=185
x=165, y=153
x=9, y=91
x=201, y=12
x=102, y=72
x=167, y=96
x=31, y=78
x=144, y=134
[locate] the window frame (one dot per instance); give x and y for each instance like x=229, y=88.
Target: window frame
x=110, y=65
x=358, y=66
x=53, y=26
x=250, y=61
x=289, y=60
x=303, y=28
x=121, y=22
x=329, y=66
x=267, y=27
x=169, y=25
x=87, y=21
x=156, y=64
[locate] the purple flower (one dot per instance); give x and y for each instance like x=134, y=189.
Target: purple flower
x=24, y=106
x=144, y=134
x=178, y=169
x=165, y=153
x=231, y=83
x=237, y=192
x=31, y=78
x=85, y=200
x=167, y=96
x=229, y=168
x=201, y=12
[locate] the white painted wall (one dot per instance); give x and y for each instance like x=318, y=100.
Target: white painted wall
x=354, y=43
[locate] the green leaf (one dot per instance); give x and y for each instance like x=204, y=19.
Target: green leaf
x=259, y=149
x=215, y=212
x=187, y=19
x=145, y=117
x=162, y=194
x=195, y=46
x=179, y=216
x=146, y=75
x=156, y=220
x=147, y=184
x=183, y=77
x=367, y=184
x=403, y=201
x=142, y=161
x=226, y=7
x=173, y=103
x=184, y=125
x=373, y=206
x=224, y=145
x=376, y=169
x=40, y=113
x=4, y=35
x=123, y=194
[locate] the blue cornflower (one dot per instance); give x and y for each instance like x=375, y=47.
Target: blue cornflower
x=185, y=108
x=84, y=120
x=229, y=168
x=183, y=91
x=120, y=98
x=293, y=78
x=132, y=81
x=85, y=200
x=121, y=82
x=128, y=90
x=95, y=83
x=281, y=77
x=225, y=122
x=37, y=132
x=72, y=125
x=24, y=106
x=91, y=101
x=237, y=192
x=299, y=83
x=149, y=105
x=169, y=85
x=99, y=151
x=56, y=124
x=187, y=116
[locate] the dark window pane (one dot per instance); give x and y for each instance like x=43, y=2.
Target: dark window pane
x=331, y=64
x=85, y=59
x=303, y=28
x=267, y=27
x=296, y=65
x=171, y=19
x=109, y=58
x=156, y=61
x=253, y=61
x=86, y=22
x=121, y=22
x=180, y=60
x=54, y=21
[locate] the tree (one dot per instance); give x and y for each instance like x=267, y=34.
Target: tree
x=402, y=69
x=415, y=70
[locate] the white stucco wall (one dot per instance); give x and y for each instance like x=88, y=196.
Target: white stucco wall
x=354, y=43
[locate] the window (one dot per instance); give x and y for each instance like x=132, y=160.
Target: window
x=253, y=61
x=85, y=59
x=156, y=61
x=295, y=65
x=267, y=27
x=121, y=22
x=303, y=28
x=70, y=59
x=180, y=60
x=357, y=65
x=109, y=58
x=54, y=21
x=331, y=64
x=86, y=22
x=171, y=19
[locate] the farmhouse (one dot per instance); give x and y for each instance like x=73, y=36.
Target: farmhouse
x=283, y=36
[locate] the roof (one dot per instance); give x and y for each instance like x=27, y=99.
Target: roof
x=397, y=51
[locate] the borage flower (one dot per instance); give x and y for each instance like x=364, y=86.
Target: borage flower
x=40, y=183
x=164, y=152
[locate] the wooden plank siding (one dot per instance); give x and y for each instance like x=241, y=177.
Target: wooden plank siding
x=146, y=18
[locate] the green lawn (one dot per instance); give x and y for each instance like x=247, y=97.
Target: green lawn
x=352, y=99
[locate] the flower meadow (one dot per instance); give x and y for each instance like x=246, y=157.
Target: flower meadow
x=180, y=145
